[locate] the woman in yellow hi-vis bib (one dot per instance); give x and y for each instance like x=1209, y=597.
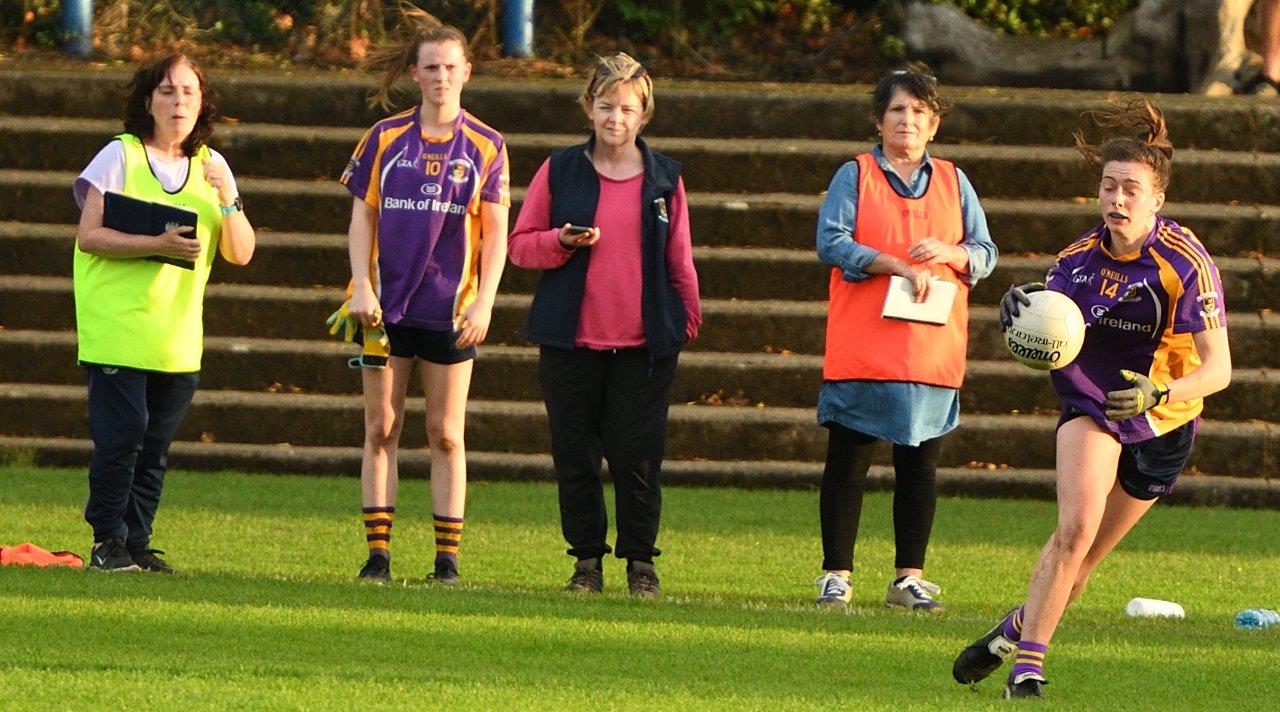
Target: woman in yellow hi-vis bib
x=140, y=298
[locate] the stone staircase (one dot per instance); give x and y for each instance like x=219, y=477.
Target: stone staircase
x=276, y=394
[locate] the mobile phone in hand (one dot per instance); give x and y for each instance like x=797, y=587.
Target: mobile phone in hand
x=579, y=230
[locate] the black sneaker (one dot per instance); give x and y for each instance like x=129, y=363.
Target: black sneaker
x=588, y=577
x=147, y=560
x=983, y=656
x=111, y=555
x=446, y=573
x=1027, y=686
x=642, y=580
x=377, y=568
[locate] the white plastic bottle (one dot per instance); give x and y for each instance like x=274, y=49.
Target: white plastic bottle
x=1152, y=608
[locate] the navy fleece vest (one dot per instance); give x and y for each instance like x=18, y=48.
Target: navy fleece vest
x=575, y=192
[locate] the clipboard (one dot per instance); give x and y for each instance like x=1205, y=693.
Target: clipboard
x=899, y=302
x=143, y=217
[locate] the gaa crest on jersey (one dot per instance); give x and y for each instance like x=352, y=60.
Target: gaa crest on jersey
x=460, y=170
x=1208, y=304
x=661, y=203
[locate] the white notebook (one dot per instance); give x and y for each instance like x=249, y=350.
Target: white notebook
x=900, y=302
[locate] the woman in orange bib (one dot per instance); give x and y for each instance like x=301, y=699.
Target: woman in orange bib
x=894, y=210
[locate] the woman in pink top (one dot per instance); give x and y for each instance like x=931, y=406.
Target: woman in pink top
x=607, y=223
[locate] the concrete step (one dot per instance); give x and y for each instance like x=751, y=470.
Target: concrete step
x=695, y=109
x=299, y=259
x=694, y=432
x=1193, y=489
x=749, y=326
x=716, y=219
x=510, y=373
x=728, y=165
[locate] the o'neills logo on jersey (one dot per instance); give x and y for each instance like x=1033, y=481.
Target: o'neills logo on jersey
x=425, y=204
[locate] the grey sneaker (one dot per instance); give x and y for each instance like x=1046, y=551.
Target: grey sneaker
x=642, y=580
x=587, y=577
x=833, y=590
x=914, y=594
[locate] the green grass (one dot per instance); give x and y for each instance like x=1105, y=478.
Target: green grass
x=266, y=614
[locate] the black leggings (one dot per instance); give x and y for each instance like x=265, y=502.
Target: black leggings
x=844, y=479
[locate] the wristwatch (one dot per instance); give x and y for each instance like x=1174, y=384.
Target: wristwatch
x=235, y=206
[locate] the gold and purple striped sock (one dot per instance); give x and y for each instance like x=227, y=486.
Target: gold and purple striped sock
x=1013, y=625
x=1030, y=660
x=448, y=536
x=377, y=529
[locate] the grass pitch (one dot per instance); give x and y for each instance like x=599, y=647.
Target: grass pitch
x=266, y=614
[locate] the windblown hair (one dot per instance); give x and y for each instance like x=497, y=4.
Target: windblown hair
x=613, y=70
x=393, y=58
x=1144, y=137
x=137, y=109
x=915, y=79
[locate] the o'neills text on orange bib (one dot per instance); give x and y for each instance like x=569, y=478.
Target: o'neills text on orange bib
x=862, y=345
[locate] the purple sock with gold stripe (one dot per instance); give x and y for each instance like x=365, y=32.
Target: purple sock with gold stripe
x=1013, y=625
x=377, y=529
x=448, y=536
x=1030, y=660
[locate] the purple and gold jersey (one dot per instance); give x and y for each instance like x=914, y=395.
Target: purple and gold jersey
x=427, y=193
x=1141, y=311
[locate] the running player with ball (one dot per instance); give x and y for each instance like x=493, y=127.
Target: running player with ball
x=1155, y=346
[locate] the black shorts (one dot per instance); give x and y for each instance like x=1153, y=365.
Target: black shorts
x=1149, y=469
x=433, y=346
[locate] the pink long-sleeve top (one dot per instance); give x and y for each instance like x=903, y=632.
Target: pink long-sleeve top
x=611, y=316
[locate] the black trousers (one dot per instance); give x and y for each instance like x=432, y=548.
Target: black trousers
x=133, y=417
x=611, y=404
x=844, y=479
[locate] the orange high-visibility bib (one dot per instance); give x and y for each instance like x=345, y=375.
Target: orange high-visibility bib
x=862, y=345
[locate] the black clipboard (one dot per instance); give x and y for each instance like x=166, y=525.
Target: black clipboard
x=143, y=217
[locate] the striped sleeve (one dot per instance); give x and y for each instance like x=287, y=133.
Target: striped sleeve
x=1201, y=306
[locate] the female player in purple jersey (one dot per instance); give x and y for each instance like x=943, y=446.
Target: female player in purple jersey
x=1155, y=347
x=427, y=246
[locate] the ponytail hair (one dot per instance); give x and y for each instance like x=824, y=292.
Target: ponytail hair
x=392, y=58
x=1145, y=137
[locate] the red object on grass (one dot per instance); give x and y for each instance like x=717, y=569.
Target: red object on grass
x=28, y=554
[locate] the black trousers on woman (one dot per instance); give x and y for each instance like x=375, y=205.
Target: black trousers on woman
x=611, y=404
x=844, y=480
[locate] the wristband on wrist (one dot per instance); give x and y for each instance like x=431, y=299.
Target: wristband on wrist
x=236, y=205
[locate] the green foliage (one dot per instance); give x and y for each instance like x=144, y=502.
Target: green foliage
x=31, y=22
x=655, y=20
x=1046, y=17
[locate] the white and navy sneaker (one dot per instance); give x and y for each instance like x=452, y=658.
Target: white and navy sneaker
x=914, y=594
x=833, y=590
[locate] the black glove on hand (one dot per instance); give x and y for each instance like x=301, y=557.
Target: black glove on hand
x=1016, y=295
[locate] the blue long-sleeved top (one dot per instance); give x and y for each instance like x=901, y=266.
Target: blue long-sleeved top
x=900, y=412
x=839, y=214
